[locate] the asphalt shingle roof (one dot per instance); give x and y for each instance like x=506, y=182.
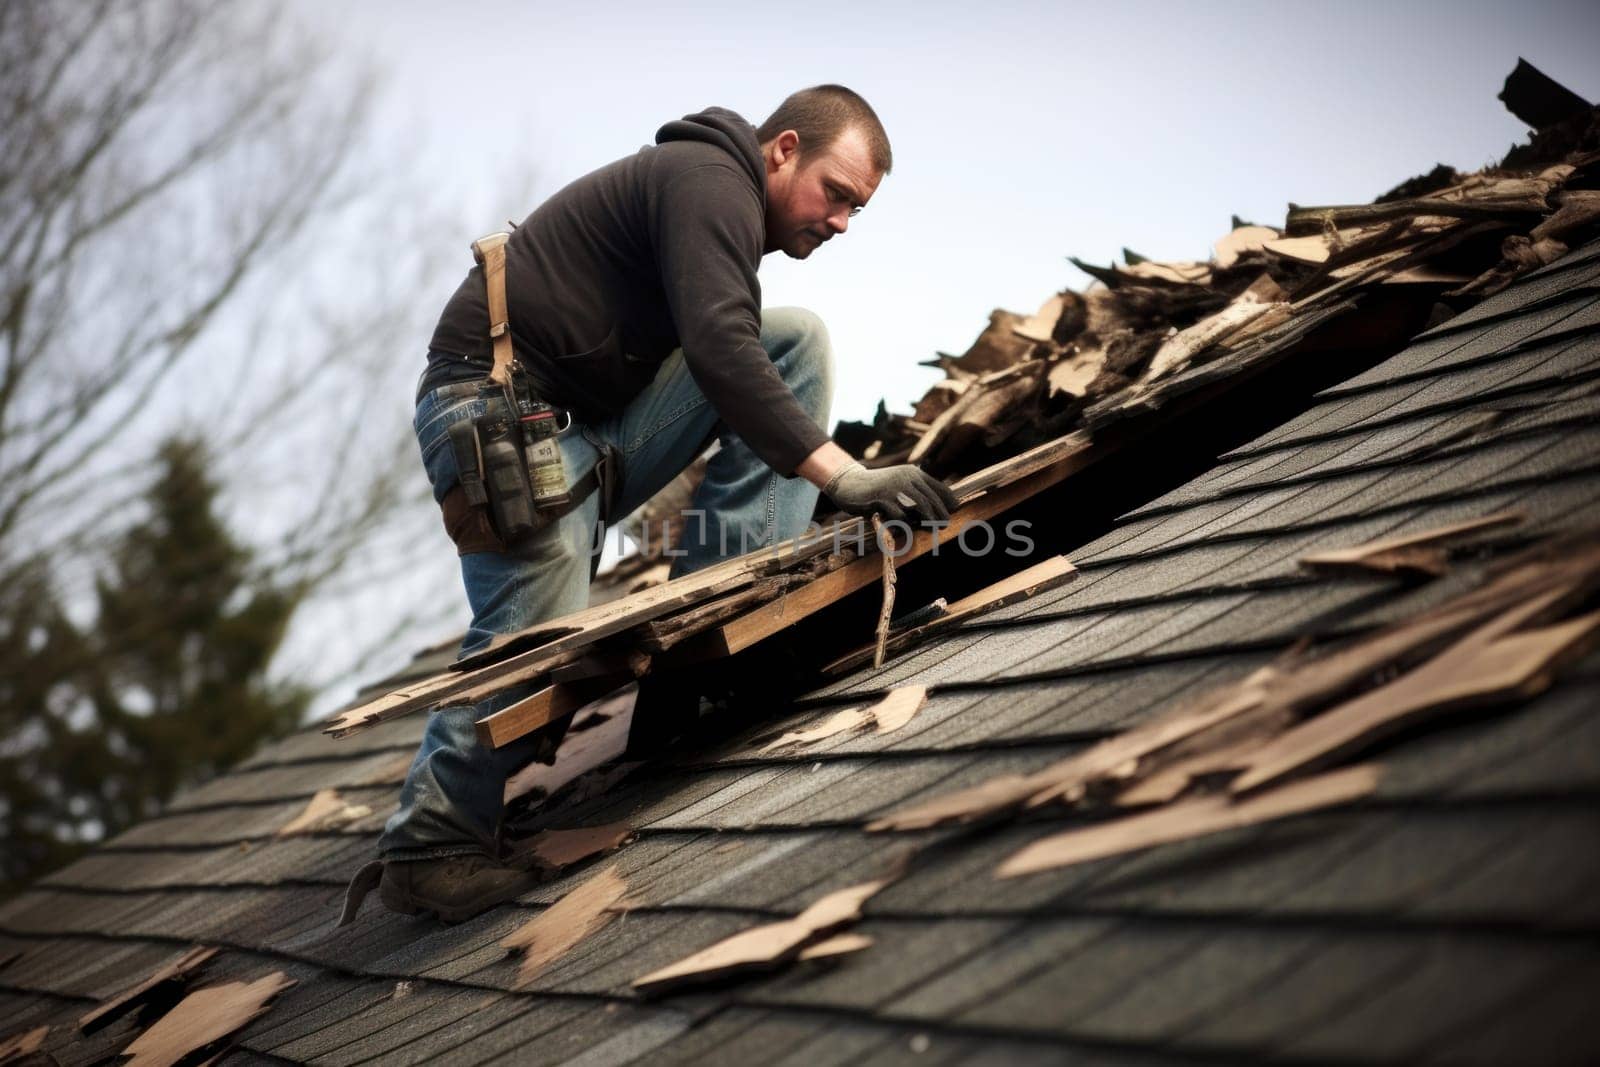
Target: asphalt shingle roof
x=1454, y=916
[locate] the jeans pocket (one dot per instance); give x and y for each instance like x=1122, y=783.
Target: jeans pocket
x=432, y=424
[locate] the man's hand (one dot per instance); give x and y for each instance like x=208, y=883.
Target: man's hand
x=890, y=491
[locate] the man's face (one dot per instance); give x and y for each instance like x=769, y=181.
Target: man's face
x=810, y=198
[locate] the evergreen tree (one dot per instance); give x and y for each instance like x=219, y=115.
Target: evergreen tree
x=165, y=689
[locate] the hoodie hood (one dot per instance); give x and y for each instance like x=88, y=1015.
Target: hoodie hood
x=726, y=130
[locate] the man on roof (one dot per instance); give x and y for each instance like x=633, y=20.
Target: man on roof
x=634, y=308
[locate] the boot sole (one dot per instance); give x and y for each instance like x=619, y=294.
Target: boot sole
x=452, y=914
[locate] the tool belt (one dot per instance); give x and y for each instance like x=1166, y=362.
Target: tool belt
x=512, y=476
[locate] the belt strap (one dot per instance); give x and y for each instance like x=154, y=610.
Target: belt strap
x=490, y=252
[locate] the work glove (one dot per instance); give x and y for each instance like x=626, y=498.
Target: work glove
x=890, y=491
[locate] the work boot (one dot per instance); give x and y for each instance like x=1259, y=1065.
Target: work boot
x=454, y=888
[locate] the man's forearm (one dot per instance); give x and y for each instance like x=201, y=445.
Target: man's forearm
x=823, y=464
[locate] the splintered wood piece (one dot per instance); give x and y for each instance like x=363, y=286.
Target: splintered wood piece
x=936, y=431
x=458, y=686
x=888, y=715
x=1239, y=241
x=1178, y=273
x=837, y=723
x=976, y=409
x=1492, y=664
x=1425, y=275
x=765, y=946
x=544, y=707
x=1418, y=551
x=26, y=1043
x=326, y=810
x=898, y=708
x=1313, y=249
x=411, y=697
x=1072, y=374
x=1189, y=819
x=837, y=945
x=1372, y=266
x=664, y=634
x=204, y=1018
x=1178, y=350
x=1001, y=793
x=177, y=970
x=886, y=550
x=1041, y=577
x=558, y=929
x=1166, y=784
x=596, y=737
x=1516, y=196
x=557, y=849
x=631, y=663
x=1042, y=323
x=1579, y=209
x=1228, y=714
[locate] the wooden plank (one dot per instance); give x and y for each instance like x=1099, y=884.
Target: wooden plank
x=452, y=687
x=615, y=616
x=544, y=707
x=780, y=614
x=615, y=662
x=662, y=634
x=1041, y=577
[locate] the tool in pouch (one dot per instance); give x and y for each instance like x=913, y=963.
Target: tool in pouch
x=509, y=458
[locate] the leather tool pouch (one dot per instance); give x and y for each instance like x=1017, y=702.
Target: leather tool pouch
x=465, y=506
x=468, y=514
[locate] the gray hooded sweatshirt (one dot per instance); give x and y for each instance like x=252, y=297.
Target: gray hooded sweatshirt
x=655, y=251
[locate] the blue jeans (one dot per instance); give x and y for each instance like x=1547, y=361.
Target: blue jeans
x=451, y=802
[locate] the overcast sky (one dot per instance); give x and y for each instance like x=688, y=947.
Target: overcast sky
x=1022, y=132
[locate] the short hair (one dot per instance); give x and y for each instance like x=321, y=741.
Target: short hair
x=821, y=114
